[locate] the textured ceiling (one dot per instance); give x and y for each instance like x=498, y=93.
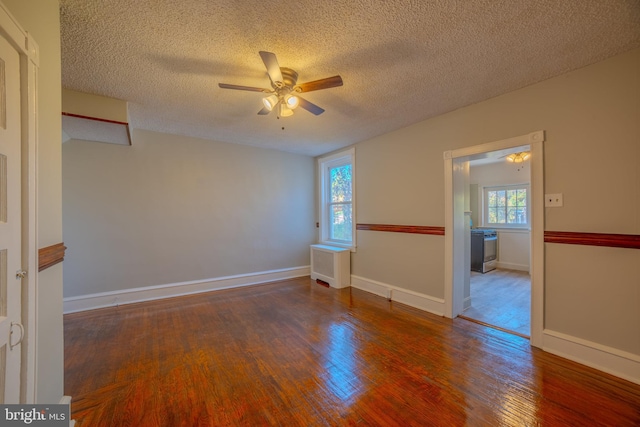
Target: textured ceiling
x=402, y=61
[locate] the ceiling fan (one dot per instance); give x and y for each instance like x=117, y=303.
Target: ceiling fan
x=283, y=95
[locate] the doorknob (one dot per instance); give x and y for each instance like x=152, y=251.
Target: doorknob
x=19, y=325
x=21, y=274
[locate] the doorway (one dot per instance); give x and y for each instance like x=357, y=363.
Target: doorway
x=457, y=224
x=499, y=209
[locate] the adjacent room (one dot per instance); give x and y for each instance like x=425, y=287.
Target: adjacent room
x=322, y=213
x=500, y=222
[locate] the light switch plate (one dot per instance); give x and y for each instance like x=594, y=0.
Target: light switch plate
x=553, y=200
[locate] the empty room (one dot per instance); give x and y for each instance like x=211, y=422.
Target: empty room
x=321, y=213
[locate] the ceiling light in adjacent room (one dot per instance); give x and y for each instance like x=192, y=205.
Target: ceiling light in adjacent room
x=518, y=157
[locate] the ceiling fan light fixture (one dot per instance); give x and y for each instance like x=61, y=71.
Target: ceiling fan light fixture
x=292, y=101
x=270, y=101
x=285, y=111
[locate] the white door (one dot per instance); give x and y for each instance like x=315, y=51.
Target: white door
x=11, y=331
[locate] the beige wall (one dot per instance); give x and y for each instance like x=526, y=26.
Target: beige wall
x=41, y=19
x=592, y=155
x=171, y=209
x=87, y=104
x=500, y=173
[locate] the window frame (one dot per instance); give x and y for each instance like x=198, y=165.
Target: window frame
x=326, y=163
x=485, y=208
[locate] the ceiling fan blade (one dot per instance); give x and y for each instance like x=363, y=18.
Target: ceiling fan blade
x=310, y=107
x=238, y=87
x=327, y=83
x=273, y=69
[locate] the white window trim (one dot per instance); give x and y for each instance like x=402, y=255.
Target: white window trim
x=485, y=207
x=324, y=163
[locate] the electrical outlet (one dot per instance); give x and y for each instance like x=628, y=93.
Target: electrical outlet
x=553, y=200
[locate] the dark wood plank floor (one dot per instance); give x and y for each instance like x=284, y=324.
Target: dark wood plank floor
x=294, y=353
x=502, y=298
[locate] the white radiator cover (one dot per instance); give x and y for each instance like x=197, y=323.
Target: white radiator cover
x=331, y=265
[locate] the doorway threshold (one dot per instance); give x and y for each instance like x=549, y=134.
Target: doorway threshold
x=488, y=325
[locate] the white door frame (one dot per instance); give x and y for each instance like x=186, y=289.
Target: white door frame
x=29, y=57
x=454, y=225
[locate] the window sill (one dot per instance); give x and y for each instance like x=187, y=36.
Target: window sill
x=338, y=245
x=506, y=229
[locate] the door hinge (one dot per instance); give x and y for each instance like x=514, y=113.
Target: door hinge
x=21, y=274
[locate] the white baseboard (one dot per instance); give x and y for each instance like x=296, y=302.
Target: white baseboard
x=607, y=359
x=404, y=296
x=128, y=296
x=512, y=266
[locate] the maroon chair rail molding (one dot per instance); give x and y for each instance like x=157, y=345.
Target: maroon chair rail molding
x=97, y=119
x=630, y=241
x=51, y=255
x=412, y=229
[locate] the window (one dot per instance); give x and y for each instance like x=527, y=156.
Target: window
x=507, y=206
x=337, y=199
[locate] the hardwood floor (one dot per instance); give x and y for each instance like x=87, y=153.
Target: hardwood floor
x=502, y=298
x=294, y=353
